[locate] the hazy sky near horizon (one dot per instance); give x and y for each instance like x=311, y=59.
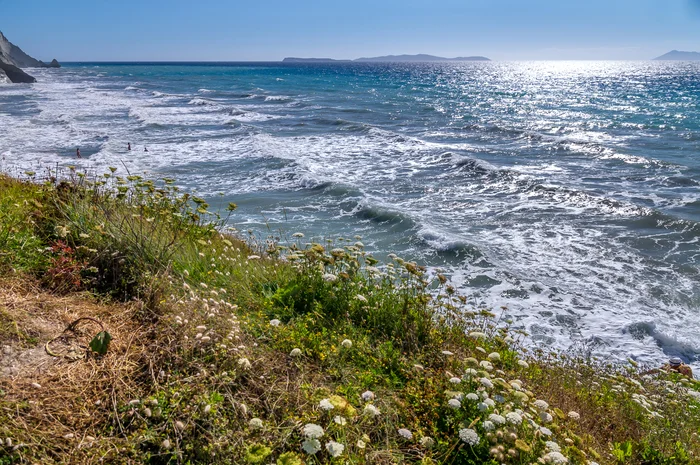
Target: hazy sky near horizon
x=230, y=30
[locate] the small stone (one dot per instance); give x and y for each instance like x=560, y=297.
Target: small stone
x=165, y=444
x=147, y=412
x=179, y=425
x=207, y=409
x=69, y=436
x=36, y=385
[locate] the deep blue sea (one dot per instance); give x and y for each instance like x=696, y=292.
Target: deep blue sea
x=568, y=192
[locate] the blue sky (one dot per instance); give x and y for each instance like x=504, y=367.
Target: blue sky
x=72, y=30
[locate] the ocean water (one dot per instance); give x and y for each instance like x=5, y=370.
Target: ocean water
x=568, y=192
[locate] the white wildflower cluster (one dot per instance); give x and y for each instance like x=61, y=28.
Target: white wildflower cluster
x=511, y=418
x=469, y=436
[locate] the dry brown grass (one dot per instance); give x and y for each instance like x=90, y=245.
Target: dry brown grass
x=54, y=397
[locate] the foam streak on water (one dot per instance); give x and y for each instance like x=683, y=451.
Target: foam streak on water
x=568, y=192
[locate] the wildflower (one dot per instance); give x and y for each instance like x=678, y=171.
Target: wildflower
x=427, y=442
x=545, y=417
x=179, y=425
x=472, y=361
x=469, y=436
x=36, y=385
x=470, y=373
x=447, y=352
x=257, y=453
x=205, y=339
x=520, y=397
x=165, y=444
x=513, y=418
x=454, y=404
x=455, y=380
x=371, y=410
x=472, y=396
x=361, y=444
x=295, y=352
x=311, y=446
x=313, y=431
x=523, y=364
x=574, y=415
x=367, y=396
x=545, y=431
x=253, y=257
x=289, y=458
x=298, y=234
x=486, y=365
x=361, y=298
x=552, y=446
x=330, y=278
x=347, y=343
x=481, y=349
x=555, y=458
x=340, y=420
x=275, y=322
x=490, y=402
x=488, y=425
x=244, y=363
x=203, y=285
x=477, y=334
x=335, y=448
x=495, y=357
x=486, y=383
x=497, y=419
x=406, y=434
x=255, y=423
x=482, y=407
x=325, y=404
x=541, y=405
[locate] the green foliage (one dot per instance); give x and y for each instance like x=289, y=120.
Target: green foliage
x=100, y=343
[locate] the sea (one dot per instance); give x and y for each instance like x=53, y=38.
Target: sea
x=564, y=195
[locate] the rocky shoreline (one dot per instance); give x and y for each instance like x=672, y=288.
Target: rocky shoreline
x=13, y=59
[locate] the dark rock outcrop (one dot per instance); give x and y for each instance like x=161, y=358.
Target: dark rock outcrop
x=54, y=64
x=15, y=74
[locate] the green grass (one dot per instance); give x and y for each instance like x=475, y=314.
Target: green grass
x=243, y=344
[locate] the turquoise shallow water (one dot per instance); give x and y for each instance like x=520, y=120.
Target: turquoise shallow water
x=567, y=191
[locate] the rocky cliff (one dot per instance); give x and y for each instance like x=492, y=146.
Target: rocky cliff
x=12, y=58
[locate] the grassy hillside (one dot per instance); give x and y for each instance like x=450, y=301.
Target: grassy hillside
x=246, y=352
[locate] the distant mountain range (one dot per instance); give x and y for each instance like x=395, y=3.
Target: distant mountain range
x=680, y=56
x=420, y=58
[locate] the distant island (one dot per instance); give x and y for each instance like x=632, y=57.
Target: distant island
x=677, y=55
x=420, y=58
